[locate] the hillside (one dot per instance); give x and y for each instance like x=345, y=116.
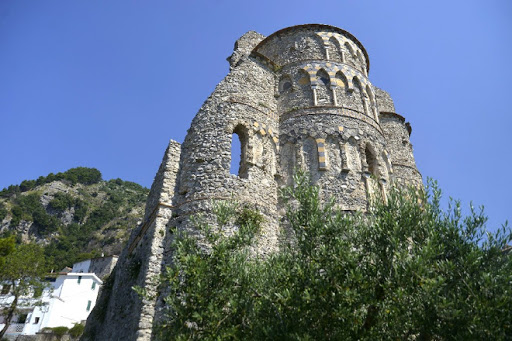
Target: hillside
x=75, y=215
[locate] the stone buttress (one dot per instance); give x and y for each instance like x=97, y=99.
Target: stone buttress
x=298, y=99
x=120, y=313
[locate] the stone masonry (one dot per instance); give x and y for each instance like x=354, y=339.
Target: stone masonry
x=297, y=99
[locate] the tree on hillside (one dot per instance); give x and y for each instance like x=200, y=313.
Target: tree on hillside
x=22, y=268
x=405, y=270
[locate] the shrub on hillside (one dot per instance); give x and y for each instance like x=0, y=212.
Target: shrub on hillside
x=83, y=175
x=62, y=202
x=76, y=330
x=29, y=207
x=3, y=212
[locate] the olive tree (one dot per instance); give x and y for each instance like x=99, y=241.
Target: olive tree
x=405, y=269
x=22, y=269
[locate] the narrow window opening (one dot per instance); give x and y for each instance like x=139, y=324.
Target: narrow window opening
x=323, y=91
x=334, y=48
x=370, y=161
x=93, y=285
x=89, y=305
x=36, y=320
x=236, y=152
x=79, y=279
x=349, y=48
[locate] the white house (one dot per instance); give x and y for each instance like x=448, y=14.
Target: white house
x=69, y=299
x=73, y=297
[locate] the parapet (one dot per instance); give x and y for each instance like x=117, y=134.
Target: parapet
x=386, y=116
x=313, y=42
x=243, y=46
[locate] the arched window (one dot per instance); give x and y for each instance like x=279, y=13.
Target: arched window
x=335, y=50
x=349, y=48
x=324, y=87
x=371, y=161
x=323, y=76
x=238, y=152
x=357, y=85
x=341, y=80
x=340, y=89
x=303, y=78
x=359, y=99
x=360, y=57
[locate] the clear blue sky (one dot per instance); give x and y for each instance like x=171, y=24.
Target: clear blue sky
x=106, y=84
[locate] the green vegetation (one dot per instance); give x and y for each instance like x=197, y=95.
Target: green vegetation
x=59, y=331
x=29, y=208
x=22, y=268
x=76, y=330
x=3, y=212
x=81, y=175
x=62, y=201
x=83, y=219
x=73, y=242
x=406, y=270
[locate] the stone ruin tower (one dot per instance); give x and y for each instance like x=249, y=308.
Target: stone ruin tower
x=297, y=99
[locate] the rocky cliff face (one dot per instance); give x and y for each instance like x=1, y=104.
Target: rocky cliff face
x=72, y=220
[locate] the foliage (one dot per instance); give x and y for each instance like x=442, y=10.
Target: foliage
x=3, y=212
x=82, y=175
x=23, y=268
x=76, y=330
x=406, y=270
x=203, y=283
x=102, y=213
x=72, y=243
x=7, y=246
x=29, y=207
x=81, y=209
x=59, y=332
x=61, y=201
x=17, y=215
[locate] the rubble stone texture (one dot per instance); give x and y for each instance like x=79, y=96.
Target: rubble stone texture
x=298, y=99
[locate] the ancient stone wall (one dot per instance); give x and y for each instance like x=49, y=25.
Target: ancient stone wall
x=397, y=133
x=103, y=266
x=120, y=313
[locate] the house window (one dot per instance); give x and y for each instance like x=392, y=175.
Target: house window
x=93, y=285
x=79, y=279
x=5, y=289
x=89, y=305
x=36, y=320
